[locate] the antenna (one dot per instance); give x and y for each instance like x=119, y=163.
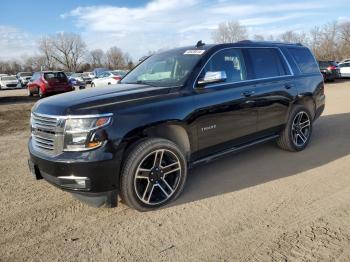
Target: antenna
x=200, y=43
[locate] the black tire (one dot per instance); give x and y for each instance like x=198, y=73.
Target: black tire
x=287, y=139
x=92, y=85
x=142, y=152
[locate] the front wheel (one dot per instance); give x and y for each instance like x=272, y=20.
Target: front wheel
x=297, y=132
x=153, y=174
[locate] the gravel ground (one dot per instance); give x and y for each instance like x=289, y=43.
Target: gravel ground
x=263, y=204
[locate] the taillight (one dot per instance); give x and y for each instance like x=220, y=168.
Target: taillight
x=331, y=68
x=117, y=77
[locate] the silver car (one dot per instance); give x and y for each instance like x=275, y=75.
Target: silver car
x=9, y=82
x=24, y=77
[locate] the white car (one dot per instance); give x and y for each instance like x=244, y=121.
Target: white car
x=345, y=69
x=107, y=78
x=9, y=82
x=90, y=74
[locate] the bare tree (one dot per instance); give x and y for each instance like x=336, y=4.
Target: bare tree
x=229, y=32
x=115, y=58
x=259, y=37
x=65, y=49
x=294, y=37
x=97, y=58
x=344, y=31
x=68, y=50
x=45, y=46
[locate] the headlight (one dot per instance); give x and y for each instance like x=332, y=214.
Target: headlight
x=85, y=133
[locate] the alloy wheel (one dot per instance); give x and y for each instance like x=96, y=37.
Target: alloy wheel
x=157, y=177
x=301, y=129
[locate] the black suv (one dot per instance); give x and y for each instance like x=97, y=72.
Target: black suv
x=176, y=109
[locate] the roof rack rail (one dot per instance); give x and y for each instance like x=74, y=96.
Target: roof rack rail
x=269, y=42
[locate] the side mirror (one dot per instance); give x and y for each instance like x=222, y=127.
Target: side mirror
x=213, y=77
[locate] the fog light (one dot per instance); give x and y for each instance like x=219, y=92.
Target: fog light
x=73, y=182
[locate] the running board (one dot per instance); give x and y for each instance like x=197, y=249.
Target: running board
x=232, y=150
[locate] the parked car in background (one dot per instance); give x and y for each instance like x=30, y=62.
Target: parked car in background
x=178, y=109
x=98, y=71
x=9, y=82
x=89, y=74
x=77, y=80
x=107, y=78
x=87, y=78
x=345, y=69
x=3, y=74
x=120, y=73
x=329, y=69
x=24, y=77
x=68, y=74
x=48, y=82
x=345, y=61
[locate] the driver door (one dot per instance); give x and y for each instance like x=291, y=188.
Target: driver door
x=227, y=113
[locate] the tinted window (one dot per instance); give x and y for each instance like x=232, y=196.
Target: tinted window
x=266, y=62
x=55, y=75
x=304, y=60
x=230, y=61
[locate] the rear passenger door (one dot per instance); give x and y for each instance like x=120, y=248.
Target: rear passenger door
x=274, y=88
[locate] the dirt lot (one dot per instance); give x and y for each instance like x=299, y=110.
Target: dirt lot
x=263, y=204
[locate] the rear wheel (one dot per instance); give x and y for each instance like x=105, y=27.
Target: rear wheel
x=92, y=85
x=298, y=130
x=154, y=174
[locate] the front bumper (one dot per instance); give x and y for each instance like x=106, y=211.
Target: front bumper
x=91, y=174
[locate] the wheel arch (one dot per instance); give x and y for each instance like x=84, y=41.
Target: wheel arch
x=308, y=101
x=173, y=131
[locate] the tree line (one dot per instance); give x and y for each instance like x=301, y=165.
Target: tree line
x=68, y=52
x=330, y=41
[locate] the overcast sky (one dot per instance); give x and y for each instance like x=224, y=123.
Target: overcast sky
x=141, y=26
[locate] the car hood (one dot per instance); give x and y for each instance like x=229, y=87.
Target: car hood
x=96, y=100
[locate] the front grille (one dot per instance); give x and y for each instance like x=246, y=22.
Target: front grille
x=47, y=134
x=11, y=85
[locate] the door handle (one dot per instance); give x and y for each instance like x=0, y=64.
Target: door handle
x=288, y=85
x=248, y=93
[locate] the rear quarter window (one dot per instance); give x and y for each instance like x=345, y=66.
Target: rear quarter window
x=305, y=60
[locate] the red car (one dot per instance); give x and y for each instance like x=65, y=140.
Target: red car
x=48, y=82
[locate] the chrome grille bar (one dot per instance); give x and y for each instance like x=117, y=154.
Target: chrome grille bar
x=47, y=134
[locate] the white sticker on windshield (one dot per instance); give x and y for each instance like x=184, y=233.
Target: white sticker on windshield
x=194, y=52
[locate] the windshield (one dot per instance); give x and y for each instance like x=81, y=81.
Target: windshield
x=7, y=78
x=167, y=69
